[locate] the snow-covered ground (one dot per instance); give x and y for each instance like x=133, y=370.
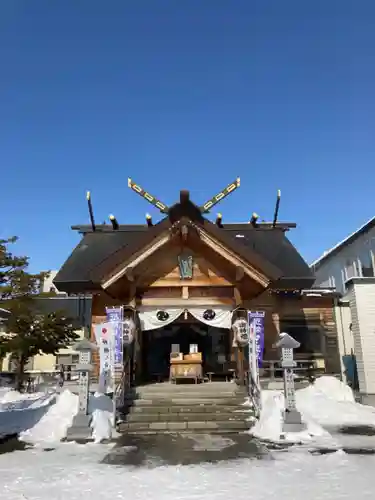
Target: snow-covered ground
x=74, y=472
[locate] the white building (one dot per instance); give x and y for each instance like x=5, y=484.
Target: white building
x=351, y=258
x=350, y=268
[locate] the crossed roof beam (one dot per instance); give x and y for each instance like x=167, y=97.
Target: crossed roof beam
x=205, y=208
x=202, y=209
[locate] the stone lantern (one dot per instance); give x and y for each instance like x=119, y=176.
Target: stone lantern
x=80, y=429
x=292, y=421
x=85, y=348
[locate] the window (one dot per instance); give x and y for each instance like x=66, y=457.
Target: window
x=307, y=332
x=349, y=269
x=343, y=278
x=366, y=264
x=331, y=282
x=356, y=268
x=65, y=359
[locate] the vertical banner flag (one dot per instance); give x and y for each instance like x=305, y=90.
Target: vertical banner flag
x=256, y=321
x=104, y=338
x=115, y=316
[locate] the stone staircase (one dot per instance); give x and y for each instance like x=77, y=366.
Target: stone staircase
x=210, y=408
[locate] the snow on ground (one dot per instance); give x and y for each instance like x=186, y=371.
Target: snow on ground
x=326, y=406
x=73, y=472
x=53, y=425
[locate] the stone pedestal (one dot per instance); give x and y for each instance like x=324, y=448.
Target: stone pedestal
x=361, y=294
x=80, y=431
x=292, y=421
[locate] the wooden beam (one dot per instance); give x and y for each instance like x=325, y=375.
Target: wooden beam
x=176, y=282
x=178, y=302
x=233, y=259
x=143, y=256
x=184, y=232
x=237, y=297
x=185, y=292
x=240, y=273
x=129, y=274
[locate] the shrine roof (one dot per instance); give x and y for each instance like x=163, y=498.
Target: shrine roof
x=80, y=272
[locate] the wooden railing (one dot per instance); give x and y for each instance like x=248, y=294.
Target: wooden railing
x=304, y=368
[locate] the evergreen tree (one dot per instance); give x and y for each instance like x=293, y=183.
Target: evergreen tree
x=28, y=330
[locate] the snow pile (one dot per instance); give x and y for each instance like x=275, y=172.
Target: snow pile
x=269, y=426
x=331, y=403
x=101, y=408
x=53, y=426
x=326, y=405
x=3, y=391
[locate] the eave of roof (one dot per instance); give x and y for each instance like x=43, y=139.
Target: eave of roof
x=103, y=228
x=346, y=241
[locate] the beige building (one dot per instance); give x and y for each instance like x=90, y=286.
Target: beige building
x=47, y=363
x=76, y=308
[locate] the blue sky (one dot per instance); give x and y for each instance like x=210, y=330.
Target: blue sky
x=185, y=94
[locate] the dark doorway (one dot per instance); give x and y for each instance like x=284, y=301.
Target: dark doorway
x=213, y=343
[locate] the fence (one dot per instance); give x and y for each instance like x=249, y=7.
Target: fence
x=304, y=368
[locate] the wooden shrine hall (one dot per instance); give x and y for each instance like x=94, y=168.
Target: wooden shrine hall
x=185, y=279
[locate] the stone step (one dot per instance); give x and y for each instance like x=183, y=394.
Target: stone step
x=183, y=401
x=187, y=432
x=185, y=417
x=183, y=395
x=189, y=426
x=179, y=409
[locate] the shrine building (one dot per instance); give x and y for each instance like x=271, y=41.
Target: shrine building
x=185, y=279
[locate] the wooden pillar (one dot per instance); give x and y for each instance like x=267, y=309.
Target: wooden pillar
x=240, y=366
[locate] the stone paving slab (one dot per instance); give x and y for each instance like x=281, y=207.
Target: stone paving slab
x=184, y=448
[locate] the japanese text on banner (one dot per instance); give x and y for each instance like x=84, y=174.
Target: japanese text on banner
x=257, y=323
x=115, y=315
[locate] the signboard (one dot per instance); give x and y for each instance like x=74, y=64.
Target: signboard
x=254, y=382
x=256, y=322
x=115, y=316
x=185, y=263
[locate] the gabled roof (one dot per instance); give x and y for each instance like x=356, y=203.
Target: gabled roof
x=100, y=252
x=345, y=242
